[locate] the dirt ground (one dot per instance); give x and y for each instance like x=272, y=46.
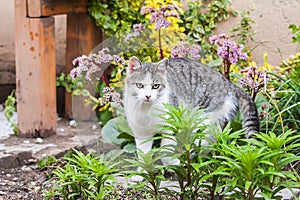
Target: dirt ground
x=22, y=183
x=22, y=179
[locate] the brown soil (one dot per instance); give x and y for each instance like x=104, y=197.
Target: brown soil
x=22, y=183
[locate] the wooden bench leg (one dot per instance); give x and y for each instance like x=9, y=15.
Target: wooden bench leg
x=36, y=73
x=82, y=37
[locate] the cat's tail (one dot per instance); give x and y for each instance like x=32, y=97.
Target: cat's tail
x=248, y=110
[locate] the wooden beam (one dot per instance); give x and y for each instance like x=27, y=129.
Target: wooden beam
x=82, y=37
x=35, y=73
x=39, y=8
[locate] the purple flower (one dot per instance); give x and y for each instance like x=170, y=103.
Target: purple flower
x=183, y=49
x=159, y=16
x=228, y=49
x=212, y=39
x=137, y=28
x=110, y=95
x=254, y=79
x=92, y=63
x=146, y=10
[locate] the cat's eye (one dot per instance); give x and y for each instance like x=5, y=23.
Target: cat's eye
x=139, y=85
x=155, y=86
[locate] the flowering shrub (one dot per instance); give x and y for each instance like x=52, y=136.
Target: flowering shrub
x=137, y=28
x=254, y=80
x=174, y=21
x=92, y=64
x=228, y=50
x=160, y=16
x=93, y=68
x=115, y=17
x=184, y=49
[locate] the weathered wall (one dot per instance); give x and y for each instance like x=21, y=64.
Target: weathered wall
x=272, y=18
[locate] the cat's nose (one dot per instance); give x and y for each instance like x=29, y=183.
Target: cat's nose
x=148, y=97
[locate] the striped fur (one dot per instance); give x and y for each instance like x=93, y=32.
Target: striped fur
x=190, y=82
x=196, y=84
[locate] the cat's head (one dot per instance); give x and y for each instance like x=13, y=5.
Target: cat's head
x=146, y=82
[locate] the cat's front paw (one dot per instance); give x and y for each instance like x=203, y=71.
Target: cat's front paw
x=137, y=179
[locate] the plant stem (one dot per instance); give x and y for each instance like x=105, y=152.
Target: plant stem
x=159, y=45
x=104, y=78
x=278, y=111
x=226, y=68
x=214, y=185
x=188, y=168
x=250, y=193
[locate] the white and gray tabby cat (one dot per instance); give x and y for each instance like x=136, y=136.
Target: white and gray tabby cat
x=178, y=80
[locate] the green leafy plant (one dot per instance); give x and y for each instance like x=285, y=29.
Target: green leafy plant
x=117, y=132
x=295, y=30
x=257, y=167
x=75, y=87
x=115, y=17
x=285, y=110
x=182, y=126
x=243, y=32
x=149, y=169
x=10, y=107
x=46, y=162
x=202, y=17
x=229, y=166
x=83, y=176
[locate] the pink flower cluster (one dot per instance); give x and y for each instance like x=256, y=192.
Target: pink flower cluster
x=228, y=49
x=184, y=49
x=255, y=79
x=92, y=63
x=110, y=94
x=137, y=28
x=160, y=15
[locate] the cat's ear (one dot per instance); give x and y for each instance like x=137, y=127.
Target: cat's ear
x=163, y=65
x=134, y=64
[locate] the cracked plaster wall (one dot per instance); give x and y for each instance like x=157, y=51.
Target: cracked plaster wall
x=272, y=18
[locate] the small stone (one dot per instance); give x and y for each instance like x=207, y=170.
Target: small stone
x=94, y=127
x=73, y=123
x=39, y=140
x=44, y=155
x=32, y=160
x=26, y=142
x=2, y=193
x=37, y=189
x=8, y=175
x=25, y=168
x=62, y=130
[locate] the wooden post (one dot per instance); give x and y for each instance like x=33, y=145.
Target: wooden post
x=37, y=8
x=35, y=73
x=82, y=37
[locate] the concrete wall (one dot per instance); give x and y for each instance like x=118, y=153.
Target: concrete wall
x=272, y=18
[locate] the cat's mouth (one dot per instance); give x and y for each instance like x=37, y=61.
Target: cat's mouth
x=147, y=101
